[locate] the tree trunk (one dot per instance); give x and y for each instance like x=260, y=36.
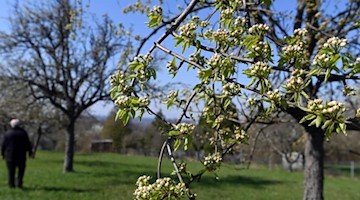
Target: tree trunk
x=69, y=148
x=39, y=132
x=314, y=157
x=314, y=164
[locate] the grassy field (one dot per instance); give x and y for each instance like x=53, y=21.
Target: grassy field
x=112, y=176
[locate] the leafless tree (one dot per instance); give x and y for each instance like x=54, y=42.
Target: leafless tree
x=63, y=60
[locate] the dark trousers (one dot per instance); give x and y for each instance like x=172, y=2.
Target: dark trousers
x=12, y=166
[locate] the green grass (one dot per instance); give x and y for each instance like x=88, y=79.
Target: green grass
x=112, y=176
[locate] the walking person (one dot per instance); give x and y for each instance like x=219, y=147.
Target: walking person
x=15, y=145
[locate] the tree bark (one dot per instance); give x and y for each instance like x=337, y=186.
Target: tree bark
x=39, y=132
x=314, y=164
x=314, y=157
x=69, y=148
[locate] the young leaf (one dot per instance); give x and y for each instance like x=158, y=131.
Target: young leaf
x=342, y=127
x=307, y=118
x=326, y=124
x=318, y=120
x=177, y=144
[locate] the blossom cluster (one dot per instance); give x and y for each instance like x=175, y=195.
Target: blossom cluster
x=144, y=101
x=358, y=113
x=332, y=108
x=171, y=67
x=251, y=101
x=172, y=94
x=117, y=78
x=274, y=96
x=210, y=111
x=140, y=65
x=188, y=30
x=122, y=102
x=184, y=128
x=225, y=3
x=197, y=57
x=231, y=89
x=240, y=22
x=157, y=10
x=162, y=188
x=227, y=13
x=215, y=60
x=219, y=119
x=294, y=51
x=260, y=50
x=204, y=24
x=300, y=32
x=349, y=91
x=335, y=43
x=213, y=161
x=259, y=69
x=118, y=81
x=295, y=82
x=240, y=134
x=321, y=59
x=221, y=36
x=259, y=29
x=329, y=48
x=144, y=59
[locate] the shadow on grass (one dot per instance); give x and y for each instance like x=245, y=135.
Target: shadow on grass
x=255, y=182
x=58, y=189
x=111, y=164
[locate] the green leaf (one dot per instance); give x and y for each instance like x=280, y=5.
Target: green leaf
x=197, y=87
x=170, y=103
x=338, y=129
x=126, y=118
x=134, y=64
x=326, y=124
x=313, y=71
x=342, y=127
x=187, y=142
x=177, y=144
x=329, y=130
x=250, y=41
x=313, y=122
x=262, y=86
x=318, y=121
x=327, y=74
x=173, y=133
x=266, y=2
x=304, y=109
x=284, y=103
x=142, y=111
x=297, y=98
x=179, y=40
x=227, y=103
x=252, y=82
x=155, y=20
x=307, y=118
x=133, y=112
x=304, y=94
x=334, y=60
x=119, y=114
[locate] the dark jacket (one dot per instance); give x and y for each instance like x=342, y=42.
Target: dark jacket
x=15, y=145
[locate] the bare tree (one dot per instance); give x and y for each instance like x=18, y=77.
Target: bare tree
x=63, y=60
